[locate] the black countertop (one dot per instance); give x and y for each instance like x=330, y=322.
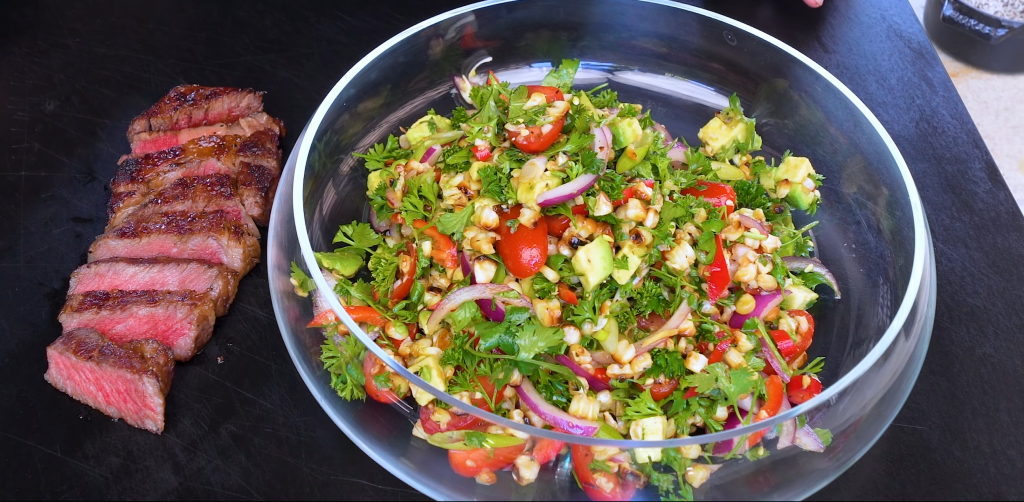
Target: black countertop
x=241, y=422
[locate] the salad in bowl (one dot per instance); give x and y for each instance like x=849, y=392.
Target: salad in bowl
x=555, y=256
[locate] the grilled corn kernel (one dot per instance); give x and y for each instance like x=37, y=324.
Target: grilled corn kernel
x=549, y=312
x=767, y=282
x=536, y=99
x=549, y=274
x=529, y=216
x=557, y=109
x=516, y=378
x=525, y=470
x=571, y=334
x=744, y=305
x=770, y=244
x=641, y=363
x=745, y=273
x=484, y=215
x=478, y=239
x=604, y=399
x=624, y=352
x=652, y=218
x=484, y=270
x=680, y=258
x=585, y=407
x=697, y=475
x=633, y=210
x=486, y=477
x=534, y=419
x=619, y=371
x=695, y=361
x=743, y=343
x=579, y=354
x=602, y=205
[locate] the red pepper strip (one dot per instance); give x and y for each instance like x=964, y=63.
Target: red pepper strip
x=397, y=218
x=717, y=273
x=358, y=314
x=718, y=194
x=482, y=153
x=784, y=343
x=602, y=375
x=719, y=351
x=403, y=283
x=580, y=209
x=628, y=193
x=690, y=393
x=492, y=78
x=443, y=251
x=566, y=294
x=773, y=390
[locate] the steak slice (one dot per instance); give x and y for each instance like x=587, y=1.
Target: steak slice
x=153, y=141
x=208, y=193
x=188, y=106
x=158, y=274
x=255, y=160
x=198, y=235
x=127, y=382
x=181, y=320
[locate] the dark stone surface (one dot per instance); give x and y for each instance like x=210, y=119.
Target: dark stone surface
x=72, y=76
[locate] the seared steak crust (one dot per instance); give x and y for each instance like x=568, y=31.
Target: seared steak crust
x=192, y=105
x=144, y=143
x=201, y=193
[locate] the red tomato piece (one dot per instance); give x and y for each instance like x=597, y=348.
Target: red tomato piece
x=774, y=395
x=621, y=489
x=443, y=251
x=403, y=283
x=551, y=94
x=662, y=390
x=373, y=366
x=718, y=194
x=602, y=375
x=536, y=140
x=566, y=294
x=717, y=273
x=525, y=250
x=557, y=224
x=470, y=463
x=457, y=422
x=546, y=450
x=802, y=388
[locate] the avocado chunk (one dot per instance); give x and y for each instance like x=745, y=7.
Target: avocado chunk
x=429, y=369
x=798, y=296
x=729, y=133
x=372, y=181
x=422, y=128
x=648, y=429
x=594, y=262
x=625, y=130
x=632, y=255
x=635, y=152
x=791, y=181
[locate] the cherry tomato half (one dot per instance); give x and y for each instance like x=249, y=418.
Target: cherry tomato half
x=802, y=388
x=536, y=140
x=373, y=366
x=621, y=489
x=662, y=390
x=403, y=283
x=525, y=250
x=551, y=94
x=457, y=422
x=557, y=224
x=546, y=450
x=718, y=194
x=470, y=463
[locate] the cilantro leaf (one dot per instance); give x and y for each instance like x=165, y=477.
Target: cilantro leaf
x=302, y=283
x=563, y=76
x=535, y=339
x=543, y=288
x=378, y=155
x=358, y=235
x=466, y=315
x=642, y=407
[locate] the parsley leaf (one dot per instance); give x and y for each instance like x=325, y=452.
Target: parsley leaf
x=668, y=363
x=378, y=155
x=535, y=339
x=563, y=76
x=420, y=198
x=543, y=288
x=455, y=222
x=606, y=99
x=612, y=184
x=384, y=268
x=302, y=283
x=343, y=358
x=383, y=380
x=358, y=235
x=496, y=184
x=642, y=407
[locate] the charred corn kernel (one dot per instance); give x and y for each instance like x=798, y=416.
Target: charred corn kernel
x=557, y=109
x=484, y=215
x=624, y=352
x=700, y=216
x=552, y=245
x=529, y=216
x=579, y=354
x=633, y=210
x=509, y=392
x=641, y=237
x=516, y=378
x=695, y=361
x=525, y=469
x=602, y=205
x=604, y=399
x=744, y=305
x=732, y=232
x=697, y=475
x=721, y=414
x=743, y=343
x=405, y=349
x=691, y=451
x=619, y=371
x=687, y=329
x=441, y=416
x=603, y=453
x=734, y=358
x=745, y=273
x=478, y=239
x=534, y=419
x=680, y=258
x=771, y=244
x=484, y=270
x=641, y=363
x=536, y=99
x=767, y=282
x=431, y=298
x=549, y=312
x=549, y=274
x=439, y=280
x=486, y=477
x=787, y=323
x=571, y=334
x=652, y=218
x=585, y=407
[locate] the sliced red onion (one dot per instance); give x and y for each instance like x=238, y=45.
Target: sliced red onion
x=666, y=331
x=613, y=112
x=666, y=137
x=723, y=448
x=492, y=309
x=807, y=439
x=474, y=292
x=431, y=155
x=568, y=191
x=763, y=304
x=463, y=85
x=753, y=224
x=377, y=225
x=467, y=267
x=596, y=384
x=602, y=357
x=602, y=142
x=552, y=415
x=779, y=366
x=801, y=264
x=677, y=153
x=788, y=434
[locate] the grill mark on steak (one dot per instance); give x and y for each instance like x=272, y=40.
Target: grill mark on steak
x=158, y=274
x=145, y=143
x=198, y=193
x=257, y=185
x=128, y=382
x=192, y=105
x=209, y=236
x=181, y=320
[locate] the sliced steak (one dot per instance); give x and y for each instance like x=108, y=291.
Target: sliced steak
x=154, y=141
x=181, y=320
x=127, y=382
x=158, y=274
x=255, y=160
x=188, y=106
x=208, y=193
x=209, y=236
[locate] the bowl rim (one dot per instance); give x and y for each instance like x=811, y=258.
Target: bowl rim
x=894, y=328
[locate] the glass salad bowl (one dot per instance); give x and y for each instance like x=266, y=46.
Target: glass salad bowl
x=682, y=63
